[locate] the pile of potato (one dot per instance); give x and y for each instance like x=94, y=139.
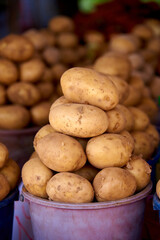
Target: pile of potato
x=30, y=68
x=95, y=147
x=9, y=173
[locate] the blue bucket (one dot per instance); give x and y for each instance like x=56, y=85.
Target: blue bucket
x=6, y=215
x=156, y=204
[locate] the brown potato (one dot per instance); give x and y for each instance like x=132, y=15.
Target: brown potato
x=33, y=155
x=32, y=70
x=57, y=70
x=47, y=75
x=113, y=183
x=68, y=56
x=36, y=38
x=2, y=95
x=16, y=48
x=113, y=63
x=84, y=85
x=142, y=144
x=155, y=87
x=60, y=101
x=25, y=94
x=70, y=188
x=141, y=170
x=46, y=89
x=149, y=106
x=137, y=82
x=49, y=36
x=4, y=186
x=67, y=40
x=128, y=116
x=108, y=150
x=129, y=138
x=79, y=120
x=35, y=176
x=13, y=117
x=142, y=31
x=117, y=121
x=141, y=120
x=146, y=92
x=146, y=74
x=40, y=112
x=154, y=45
x=60, y=24
x=60, y=152
x=8, y=72
x=158, y=188
x=88, y=172
x=94, y=37
x=45, y=130
x=3, y=155
x=154, y=135
x=137, y=61
x=133, y=98
x=51, y=55
x=11, y=171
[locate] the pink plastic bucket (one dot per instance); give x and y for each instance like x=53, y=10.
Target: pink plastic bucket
x=113, y=220
x=19, y=143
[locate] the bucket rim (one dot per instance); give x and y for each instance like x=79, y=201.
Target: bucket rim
x=10, y=198
x=93, y=205
x=10, y=132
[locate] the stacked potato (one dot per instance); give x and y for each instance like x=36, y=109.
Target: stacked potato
x=94, y=145
x=9, y=172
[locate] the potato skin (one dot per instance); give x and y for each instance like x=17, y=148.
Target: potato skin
x=59, y=101
x=61, y=24
x=84, y=85
x=43, y=131
x=113, y=184
x=128, y=116
x=11, y=171
x=8, y=72
x=108, y=150
x=35, y=176
x=61, y=152
x=154, y=135
x=158, y=189
x=117, y=121
x=79, y=120
x=46, y=89
x=141, y=170
x=87, y=171
x=3, y=155
x=40, y=112
x=141, y=120
x=2, y=95
x=16, y=48
x=69, y=188
x=25, y=94
x=4, y=186
x=20, y=117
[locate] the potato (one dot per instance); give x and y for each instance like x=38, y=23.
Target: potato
x=60, y=152
x=46, y=89
x=155, y=87
x=122, y=87
x=94, y=37
x=68, y=56
x=34, y=155
x=128, y=116
x=57, y=70
x=60, y=101
x=32, y=70
x=158, y=188
x=67, y=40
x=2, y=95
x=154, y=24
x=60, y=24
x=154, y=135
x=49, y=36
x=70, y=188
x=142, y=144
x=124, y=43
x=11, y=171
x=137, y=61
x=113, y=63
x=133, y=98
x=88, y=172
x=79, y=120
x=117, y=121
x=36, y=38
x=83, y=142
x=25, y=94
x=16, y=48
x=4, y=187
x=3, y=155
x=8, y=72
x=13, y=117
x=141, y=170
x=146, y=74
x=108, y=150
x=146, y=92
x=40, y=112
x=154, y=45
x=137, y=82
x=51, y=55
x=142, y=31
x=113, y=183
x=129, y=138
x=35, y=176
x=149, y=106
x=47, y=75
x=141, y=120
x=45, y=130
x=82, y=85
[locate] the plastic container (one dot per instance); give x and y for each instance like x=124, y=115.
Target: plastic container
x=110, y=220
x=19, y=143
x=6, y=215
x=156, y=204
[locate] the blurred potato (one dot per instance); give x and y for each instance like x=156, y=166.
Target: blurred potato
x=137, y=60
x=60, y=24
x=47, y=75
x=37, y=38
x=149, y=106
x=154, y=45
x=142, y=31
x=8, y=72
x=94, y=37
x=155, y=87
x=133, y=98
x=141, y=119
x=154, y=135
x=67, y=40
x=39, y=113
x=68, y=56
x=57, y=71
x=3, y=155
x=51, y=55
x=49, y=36
x=2, y=95
x=46, y=89
x=128, y=116
x=137, y=82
